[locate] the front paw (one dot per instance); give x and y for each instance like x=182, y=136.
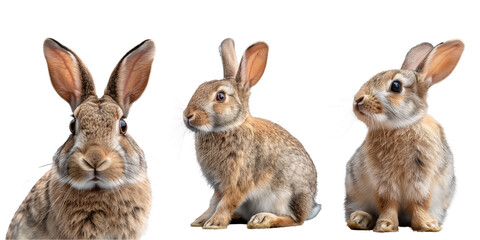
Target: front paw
x=216, y=223
x=427, y=226
x=385, y=225
x=360, y=220
x=199, y=222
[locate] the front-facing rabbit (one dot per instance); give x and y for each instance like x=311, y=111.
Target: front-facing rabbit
x=403, y=172
x=259, y=172
x=98, y=185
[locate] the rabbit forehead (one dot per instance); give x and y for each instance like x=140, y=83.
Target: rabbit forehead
x=216, y=85
x=97, y=119
x=98, y=109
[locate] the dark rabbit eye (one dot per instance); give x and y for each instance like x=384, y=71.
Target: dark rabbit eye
x=396, y=87
x=72, y=126
x=220, y=97
x=123, y=127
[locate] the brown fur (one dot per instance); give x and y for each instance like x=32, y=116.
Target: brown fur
x=268, y=220
x=238, y=158
x=388, y=219
x=98, y=185
x=55, y=210
x=403, y=172
x=248, y=161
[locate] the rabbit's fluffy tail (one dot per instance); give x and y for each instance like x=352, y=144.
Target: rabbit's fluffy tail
x=315, y=210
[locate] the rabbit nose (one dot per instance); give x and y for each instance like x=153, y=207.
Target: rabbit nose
x=96, y=158
x=189, y=117
x=359, y=100
x=188, y=114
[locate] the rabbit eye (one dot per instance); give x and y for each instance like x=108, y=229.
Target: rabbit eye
x=123, y=127
x=396, y=87
x=220, y=97
x=72, y=126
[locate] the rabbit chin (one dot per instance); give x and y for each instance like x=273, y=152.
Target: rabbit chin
x=100, y=184
x=382, y=121
x=202, y=129
x=208, y=128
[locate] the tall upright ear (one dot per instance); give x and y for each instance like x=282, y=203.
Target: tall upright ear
x=416, y=55
x=229, y=58
x=130, y=77
x=68, y=74
x=252, y=65
x=440, y=62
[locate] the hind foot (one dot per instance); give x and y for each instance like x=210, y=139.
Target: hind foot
x=269, y=220
x=360, y=220
x=385, y=225
x=198, y=222
x=427, y=226
x=216, y=222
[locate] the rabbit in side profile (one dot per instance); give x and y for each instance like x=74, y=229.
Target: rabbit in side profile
x=259, y=172
x=98, y=185
x=403, y=172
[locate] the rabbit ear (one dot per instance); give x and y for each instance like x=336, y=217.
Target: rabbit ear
x=440, y=62
x=229, y=58
x=69, y=76
x=416, y=55
x=252, y=65
x=130, y=77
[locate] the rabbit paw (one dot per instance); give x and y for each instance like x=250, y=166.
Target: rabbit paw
x=199, y=222
x=261, y=220
x=385, y=225
x=216, y=222
x=428, y=226
x=360, y=220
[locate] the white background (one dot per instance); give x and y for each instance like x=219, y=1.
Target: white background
x=320, y=55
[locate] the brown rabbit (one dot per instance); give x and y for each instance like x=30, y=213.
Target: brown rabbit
x=403, y=172
x=260, y=173
x=98, y=185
